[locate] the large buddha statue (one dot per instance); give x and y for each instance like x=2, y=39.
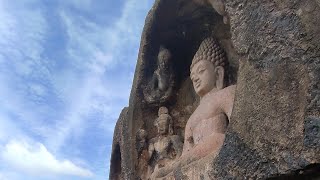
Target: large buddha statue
x=206, y=127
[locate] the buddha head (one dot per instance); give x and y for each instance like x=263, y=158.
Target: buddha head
x=208, y=67
x=164, y=57
x=164, y=122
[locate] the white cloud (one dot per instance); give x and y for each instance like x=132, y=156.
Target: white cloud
x=36, y=160
x=95, y=49
x=124, y=36
x=23, y=32
x=119, y=42
x=3, y=176
x=85, y=46
x=37, y=89
x=7, y=129
x=86, y=86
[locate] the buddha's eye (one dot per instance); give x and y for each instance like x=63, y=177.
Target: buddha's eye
x=201, y=70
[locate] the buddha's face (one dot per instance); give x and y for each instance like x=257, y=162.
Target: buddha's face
x=203, y=77
x=163, y=125
x=163, y=62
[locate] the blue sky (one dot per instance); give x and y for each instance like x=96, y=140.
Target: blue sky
x=66, y=69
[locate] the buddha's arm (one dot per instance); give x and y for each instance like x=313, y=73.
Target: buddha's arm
x=188, y=139
x=210, y=145
x=162, y=172
x=229, y=100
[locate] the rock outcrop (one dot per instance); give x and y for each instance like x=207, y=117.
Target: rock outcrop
x=273, y=51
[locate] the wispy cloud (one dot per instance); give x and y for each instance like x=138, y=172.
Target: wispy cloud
x=64, y=78
x=84, y=5
x=21, y=157
x=98, y=50
x=35, y=160
x=22, y=38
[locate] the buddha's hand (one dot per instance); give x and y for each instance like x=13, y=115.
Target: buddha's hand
x=164, y=171
x=182, y=161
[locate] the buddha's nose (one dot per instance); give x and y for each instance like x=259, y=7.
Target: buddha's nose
x=196, y=79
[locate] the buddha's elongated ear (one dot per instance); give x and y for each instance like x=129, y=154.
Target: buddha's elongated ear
x=219, y=70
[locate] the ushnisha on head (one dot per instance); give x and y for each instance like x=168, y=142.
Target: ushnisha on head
x=210, y=50
x=208, y=67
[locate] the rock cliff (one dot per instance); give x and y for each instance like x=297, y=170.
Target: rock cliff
x=273, y=52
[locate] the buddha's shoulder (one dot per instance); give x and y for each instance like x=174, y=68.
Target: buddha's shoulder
x=225, y=95
x=229, y=89
x=221, y=94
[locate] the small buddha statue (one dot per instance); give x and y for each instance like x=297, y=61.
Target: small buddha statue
x=166, y=147
x=159, y=89
x=206, y=127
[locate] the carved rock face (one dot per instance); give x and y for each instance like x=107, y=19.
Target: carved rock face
x=203, y=77
x=274, y=127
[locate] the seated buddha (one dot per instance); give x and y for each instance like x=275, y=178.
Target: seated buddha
x=206, y=127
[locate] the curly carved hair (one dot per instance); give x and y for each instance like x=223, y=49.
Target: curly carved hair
x=210, y=50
